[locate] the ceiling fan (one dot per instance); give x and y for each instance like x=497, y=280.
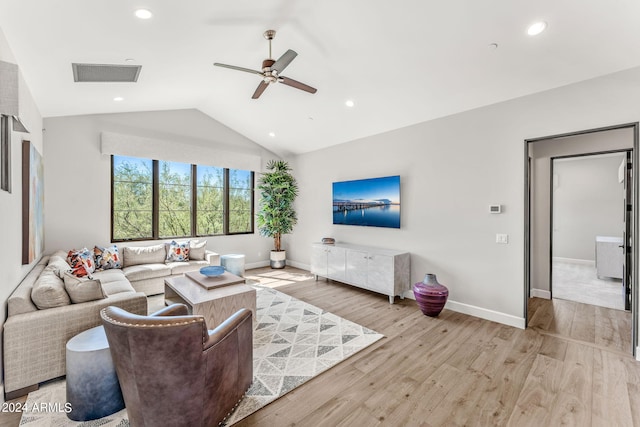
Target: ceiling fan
x=271, y=70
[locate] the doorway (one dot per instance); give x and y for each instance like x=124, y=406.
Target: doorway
x=540, y=155
x=588, y=224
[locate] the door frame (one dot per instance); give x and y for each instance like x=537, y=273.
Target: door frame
x=634, y=236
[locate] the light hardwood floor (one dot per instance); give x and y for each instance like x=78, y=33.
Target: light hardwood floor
x=571, y=367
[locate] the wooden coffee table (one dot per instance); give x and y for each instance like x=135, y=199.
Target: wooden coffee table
x=216, y=304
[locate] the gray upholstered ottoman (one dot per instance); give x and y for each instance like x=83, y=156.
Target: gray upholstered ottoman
x=93, y=389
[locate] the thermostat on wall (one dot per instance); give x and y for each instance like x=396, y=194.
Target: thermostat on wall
x=495, y=209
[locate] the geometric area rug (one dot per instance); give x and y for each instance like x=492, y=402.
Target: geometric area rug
x=292, y=342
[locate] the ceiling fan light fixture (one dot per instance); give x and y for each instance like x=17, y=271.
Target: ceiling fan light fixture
x=536, y=28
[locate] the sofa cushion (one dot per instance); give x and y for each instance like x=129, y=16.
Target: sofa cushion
x=177, y=251
x=146, y=271
x=48, y=291
x=117, y=287
x=197, y=250
x=59, y=265
x=82, y=289
x=186, y=266
x=134, y=255
x=107, y=276
x=107, y=258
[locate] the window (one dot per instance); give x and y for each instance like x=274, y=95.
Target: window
x=154, y=199
x=132, y=198
x=174, y=199
x=240, y=200
x=210, y=202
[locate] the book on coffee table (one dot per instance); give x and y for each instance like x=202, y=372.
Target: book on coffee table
x=225, y=279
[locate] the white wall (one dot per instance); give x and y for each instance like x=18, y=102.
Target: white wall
x=451, y=170
x=77, y=175
x=541, y=153
x=11, y=268
x=587, y=202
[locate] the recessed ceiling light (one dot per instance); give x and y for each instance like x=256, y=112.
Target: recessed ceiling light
x=272, y=134
x=537, y=28
x=349, y=103
x=129, y=60
x=118, y=99
x=144, y=13
x=493, y=46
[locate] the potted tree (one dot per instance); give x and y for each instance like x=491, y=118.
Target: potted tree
x=276, y=216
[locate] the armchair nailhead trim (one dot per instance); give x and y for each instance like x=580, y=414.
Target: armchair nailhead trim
x=144, y=325
x=235, y=406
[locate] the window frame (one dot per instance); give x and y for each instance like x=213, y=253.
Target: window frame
x=194, y=205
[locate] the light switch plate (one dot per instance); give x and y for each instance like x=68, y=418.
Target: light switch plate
x=502, y=238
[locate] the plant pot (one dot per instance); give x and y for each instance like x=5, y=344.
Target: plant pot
x=430, y=295
x=278, y=259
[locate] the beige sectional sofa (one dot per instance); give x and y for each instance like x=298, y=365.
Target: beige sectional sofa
x=42, y=315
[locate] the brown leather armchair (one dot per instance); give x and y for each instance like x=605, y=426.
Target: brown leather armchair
x=175, y=372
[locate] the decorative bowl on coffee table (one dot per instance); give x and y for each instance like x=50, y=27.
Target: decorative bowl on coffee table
x=212, y=271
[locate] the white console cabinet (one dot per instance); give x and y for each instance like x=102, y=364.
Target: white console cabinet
x=381, y=270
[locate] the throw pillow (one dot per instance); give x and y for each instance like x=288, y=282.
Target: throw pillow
x=135, y=255
x=178, y=251
x=107, y=258
x=197, y=250
x=83, y=290
x=48, y=291
x=81, y=262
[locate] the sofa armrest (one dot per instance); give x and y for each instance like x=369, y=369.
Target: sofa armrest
x=212, y=258
x=35, y=343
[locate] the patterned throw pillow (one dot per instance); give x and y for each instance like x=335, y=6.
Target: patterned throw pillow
x=107, y=258
x=81, y=262
x=178, y=251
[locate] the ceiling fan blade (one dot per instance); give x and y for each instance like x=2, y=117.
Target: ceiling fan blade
x=261, y=87
x=297, y=84
x=284, y=61
x=233, y=67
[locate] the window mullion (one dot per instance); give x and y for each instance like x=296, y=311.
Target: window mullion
x=156, y=200
x=225, y=207
x=194, y=199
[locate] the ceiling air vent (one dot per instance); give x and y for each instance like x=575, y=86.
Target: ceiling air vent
x=105, y=73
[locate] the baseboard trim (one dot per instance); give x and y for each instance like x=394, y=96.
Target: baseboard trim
x=482, y=313
x=299, y=265
x=256, y=265
x=574, y=261
x=540, y=293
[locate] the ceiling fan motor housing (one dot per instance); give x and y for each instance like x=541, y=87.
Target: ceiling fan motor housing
x=269, y=76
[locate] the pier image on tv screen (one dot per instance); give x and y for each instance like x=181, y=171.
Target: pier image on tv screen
x=371, y=202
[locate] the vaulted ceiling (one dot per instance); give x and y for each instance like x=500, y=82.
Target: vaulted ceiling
x=399, y=62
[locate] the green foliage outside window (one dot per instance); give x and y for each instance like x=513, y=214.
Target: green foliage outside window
x=181, y=190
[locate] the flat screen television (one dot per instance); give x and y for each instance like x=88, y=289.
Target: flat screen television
x=373, y=202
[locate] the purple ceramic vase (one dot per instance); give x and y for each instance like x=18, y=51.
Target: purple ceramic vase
x=430, y=295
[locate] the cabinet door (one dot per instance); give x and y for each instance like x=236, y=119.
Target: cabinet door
x=380, y=277
x=319, y=260
x=335, y=263
x=357, y=267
